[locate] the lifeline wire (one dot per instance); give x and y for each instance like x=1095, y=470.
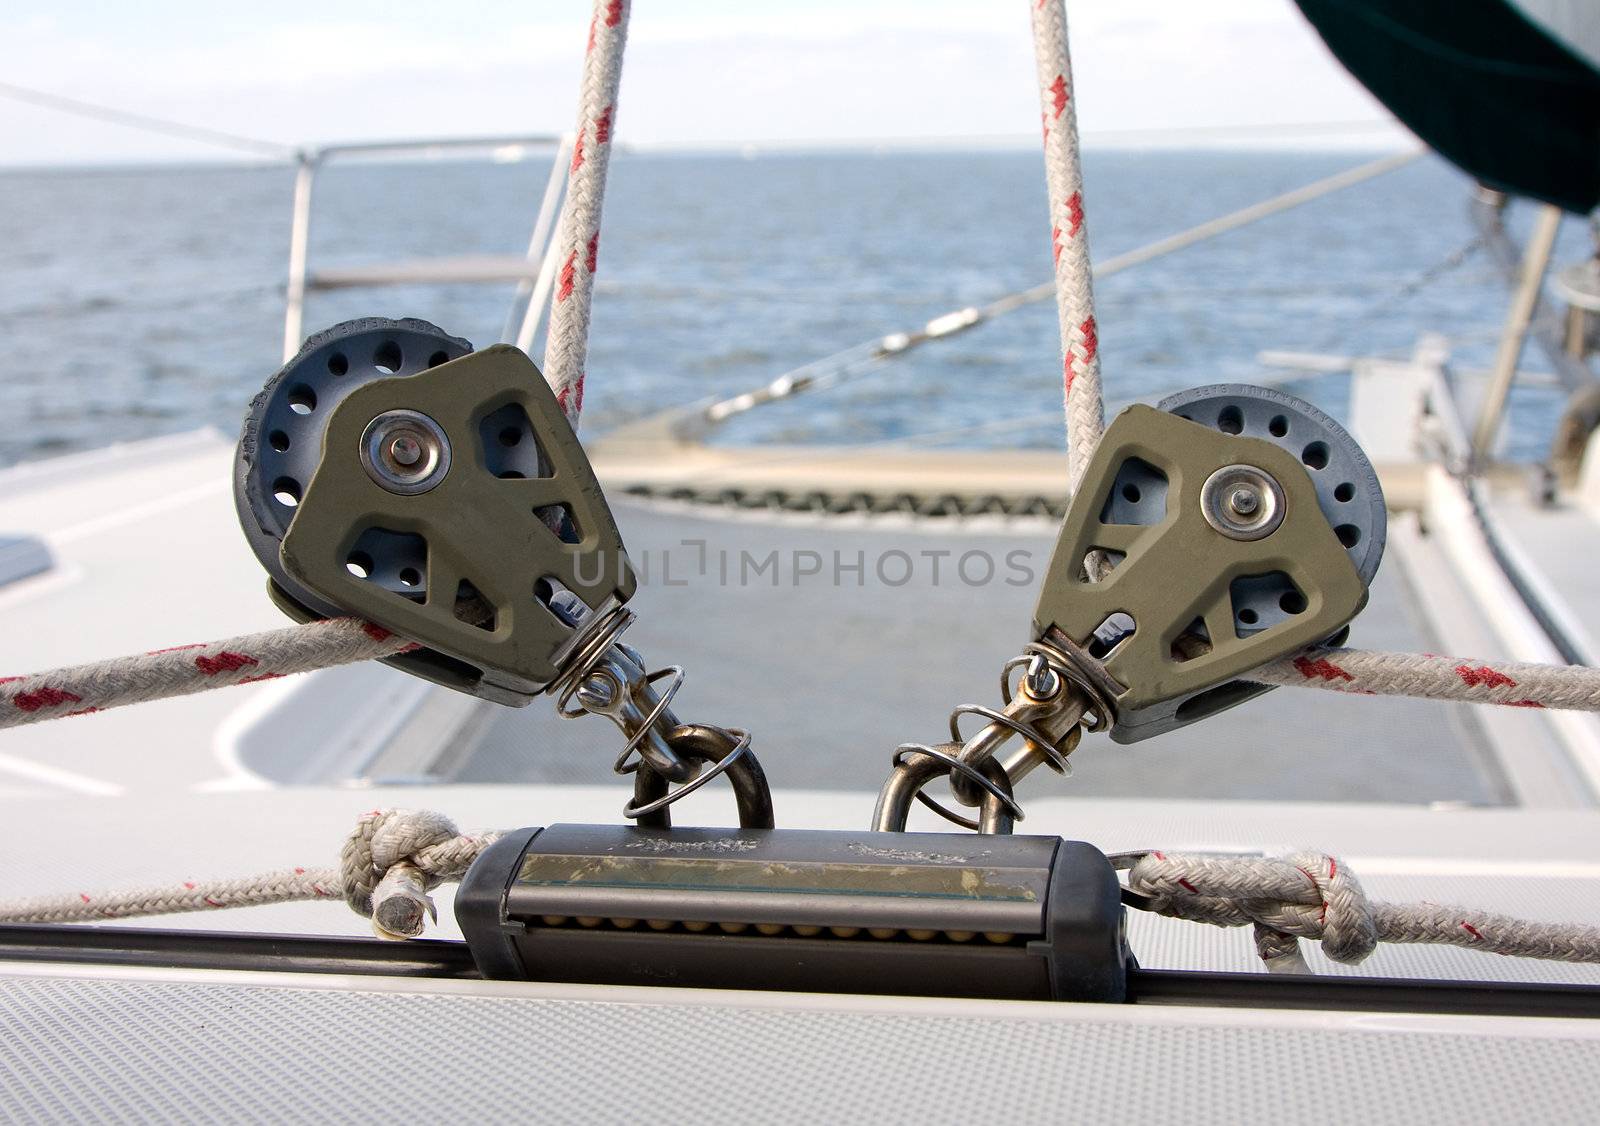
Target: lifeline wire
x=839, y=367
x=147, y=123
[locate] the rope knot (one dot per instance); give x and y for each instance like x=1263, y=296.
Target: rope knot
x=1342, y=918
x=1303, y=895
x=394, y=858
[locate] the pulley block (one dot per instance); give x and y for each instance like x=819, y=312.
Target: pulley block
x=1229, y=527
x=390, y=472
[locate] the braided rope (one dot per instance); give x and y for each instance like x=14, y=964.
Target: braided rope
x=1511, y=684
x=390, y=862
x=96, y=687
x=578, y=240
x=1069, y=239
x=1309, y=895
x=394, y=857
x=286, y=886
x=183, y=669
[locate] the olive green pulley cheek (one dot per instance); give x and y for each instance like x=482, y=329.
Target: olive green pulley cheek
x=445, y=498
x=1233, y=527
x=392, y=473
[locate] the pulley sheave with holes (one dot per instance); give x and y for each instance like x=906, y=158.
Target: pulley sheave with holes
x=281, y=444
x=1348, y=490
x=1231, y=527
x=390, y=472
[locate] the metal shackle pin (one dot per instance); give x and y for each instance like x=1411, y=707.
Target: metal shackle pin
x=618, y=687
x=602, y=676
x=1043, y=704
x=1048, y=708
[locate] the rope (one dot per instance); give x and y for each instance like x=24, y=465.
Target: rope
x=1313, y=896
x=1074, y=280
x=84, y=689
x=183, y=669
x=390, y=862
x=395, y=857
x=1511, y=684
x=578, y=241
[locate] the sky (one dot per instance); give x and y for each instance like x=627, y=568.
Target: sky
x=699, y=73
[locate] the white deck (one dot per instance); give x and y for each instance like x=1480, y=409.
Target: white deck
x=829, y=678
x=188, y=1046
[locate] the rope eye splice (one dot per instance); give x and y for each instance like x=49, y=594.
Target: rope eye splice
x=1230, y=528
x=391, y=473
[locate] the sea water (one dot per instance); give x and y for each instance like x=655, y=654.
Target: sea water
x=139, y=302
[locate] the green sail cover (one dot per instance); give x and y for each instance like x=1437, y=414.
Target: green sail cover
x=1513, y=102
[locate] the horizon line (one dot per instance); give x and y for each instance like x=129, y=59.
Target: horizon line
x=1316, y=137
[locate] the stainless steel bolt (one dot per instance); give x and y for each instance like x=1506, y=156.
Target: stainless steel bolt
x=598, y=692
x=405, y=450
x=1242, y=502
x=1040, y=680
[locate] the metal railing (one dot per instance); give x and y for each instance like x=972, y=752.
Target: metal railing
x=533, y=271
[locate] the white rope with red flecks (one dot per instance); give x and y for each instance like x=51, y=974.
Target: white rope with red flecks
x=1069, y=239
x=184, y=669
x=566, y=346
x=84, y=689
x=390, y=862
x=395, y=857
x=1314, y=896
x=1512, y=684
